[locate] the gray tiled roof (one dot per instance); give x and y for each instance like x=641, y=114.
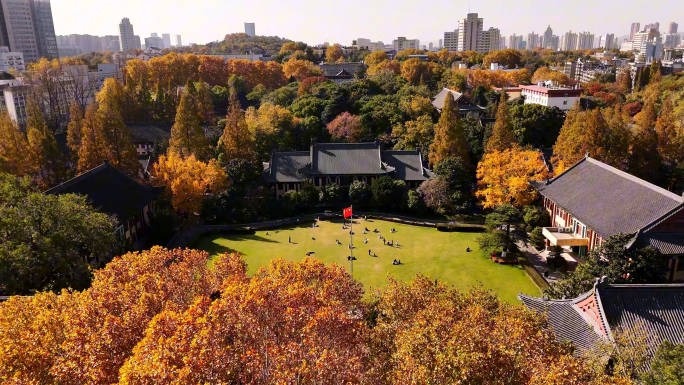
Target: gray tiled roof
x=608, y=200
x=658, y=308
x=333, y=69
x=438, y=101
x=148, y=133
x=285, y=166
x=667, y=243
x=347, y=159
x=408, y=165
x=565, y=321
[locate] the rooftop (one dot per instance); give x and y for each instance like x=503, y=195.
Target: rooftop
x=608, y=200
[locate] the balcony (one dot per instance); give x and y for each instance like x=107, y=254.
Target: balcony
x=563, y=236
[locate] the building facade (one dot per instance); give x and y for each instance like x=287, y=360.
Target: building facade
x=592, y=201
x=250, y=29
x=11, y=60
x=450, y=41
x=533, y=41
x=179, y=41
x=568, y=41
x=44, y=28
x=636, y=27
x=469, y=32
x=402, y=43
x=489, y=40
x=550, y=96
x=515, y=41
x=343, y=163
x=154, y=42
x=547, y=38
x=127, y=36
x=585, y=41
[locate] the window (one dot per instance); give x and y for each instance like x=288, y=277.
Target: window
x=565, y=102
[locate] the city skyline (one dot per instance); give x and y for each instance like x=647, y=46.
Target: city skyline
x=204, y=22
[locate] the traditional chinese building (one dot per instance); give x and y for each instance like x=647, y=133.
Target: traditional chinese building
x=595, y=316
x=112, y=192
x=465, y=106
x=343, y=163
x=592, y=201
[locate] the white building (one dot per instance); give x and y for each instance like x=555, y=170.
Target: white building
x=550, y=96
x=585, y=40
x=11, y=60
x=154, y=42
x=547, y=38
x=469, y=32
x=568, y=42
x=533, y=41
x=179, y=42
x=250, y=29
x=451, y=41
x=402, y=43
x=363, y=43
x=515, y=41
x=149, y=53
x=166, y=40
x=126, y=35
x=608, y=41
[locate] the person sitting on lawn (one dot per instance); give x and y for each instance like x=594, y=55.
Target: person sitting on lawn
x=375, y=231
x=375, y=256
x=338, y=242
x=366, y=229
x=313, y=239
x=468, y=250
x=398, y=244
x=395, y=262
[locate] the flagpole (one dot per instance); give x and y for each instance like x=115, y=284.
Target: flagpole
x=351, y=238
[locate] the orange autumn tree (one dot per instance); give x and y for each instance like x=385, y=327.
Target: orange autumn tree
x=300, y=69
x=189, y=180
x=503, y=177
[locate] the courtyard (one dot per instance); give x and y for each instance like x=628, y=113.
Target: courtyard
x=422, y=250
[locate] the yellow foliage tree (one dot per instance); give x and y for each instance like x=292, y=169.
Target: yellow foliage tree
x=74, y=130
x=43, y=148
x=189, y=180
x=450, y=138
x=14, y=148
x=386, y=65
x=375, y=58
x=187, y=135
x=502, y=136
x=300, y=69
x=334, y=53
x=236, y=141
x=545, y=73
x=504, y=176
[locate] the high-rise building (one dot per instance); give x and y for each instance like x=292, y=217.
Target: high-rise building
x=451, y=41
x=179, y=42
x=363, y=43
x=26, y=26
x=585, y=40
x=250, y=29
x=44, y=28
x=502, y=42
x=515, y=41
x=469, y=31
x=126, y=35
x=166, y=39
x=607, y=41
x=568, y=42
x=489, y=40
x=402, y=43
x=441, y=44
x=653, y=26
x=532, y=41
x=547, y=39
x=673, y=28
x=636, y=27
x=154, y=42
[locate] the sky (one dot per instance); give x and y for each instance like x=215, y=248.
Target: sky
x=342, y=21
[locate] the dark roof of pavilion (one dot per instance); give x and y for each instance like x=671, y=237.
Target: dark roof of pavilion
x=109, y=191
x=408, y=164
x=657, y=310
x=346, y=159
x=148, y=132
x=608, y=200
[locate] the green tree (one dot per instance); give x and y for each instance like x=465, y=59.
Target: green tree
x=387, y=192
x=459, y=179
x=502, y=137
x=48, y=241
x=187, y=135
x=43, y=147
x=359, y=193
x=450, y=139
x=415, y=202
x=667, y=366
x=614, y=261
x=14, y=148
x=309, y=195
x=505, y=227
x=537, y=125
x=74, y=130
x=236, y=141
x=331, y=194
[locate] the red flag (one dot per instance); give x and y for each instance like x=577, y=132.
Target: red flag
x=347, y=212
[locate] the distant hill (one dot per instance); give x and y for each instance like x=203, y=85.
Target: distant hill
x=240, y=44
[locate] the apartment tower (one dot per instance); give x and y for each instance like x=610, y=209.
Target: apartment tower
x=26, y=26
x=127, y=36
x=469, y=32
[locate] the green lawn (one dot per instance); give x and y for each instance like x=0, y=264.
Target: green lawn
x=438, y=255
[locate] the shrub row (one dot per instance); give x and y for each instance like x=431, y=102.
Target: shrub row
x=460, y=228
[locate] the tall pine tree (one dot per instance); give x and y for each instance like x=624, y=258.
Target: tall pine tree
x=450, y=139
x=14, y=149
x=645, y=161
x=74, y=130
x=93, y=148
x=236, y=141
x=502, y=137
x=43, y=148
x=187, y=135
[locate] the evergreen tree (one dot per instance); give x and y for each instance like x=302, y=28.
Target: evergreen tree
x=187, y=135
x=236, y=142
x=74, y=130
x=625, y=80
x=43, y=148
x=450, y=138
x=14, y=148
x=93, y=149
x=120, y=151
x=655, y=75
x=644, y=160
x=503, y=136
